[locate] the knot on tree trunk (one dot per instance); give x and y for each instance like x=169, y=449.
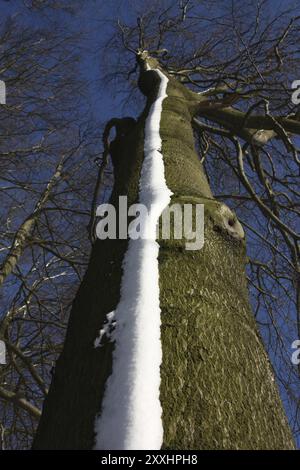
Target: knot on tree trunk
x=226, y=220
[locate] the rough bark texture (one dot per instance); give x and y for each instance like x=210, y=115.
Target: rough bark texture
x=217, y=390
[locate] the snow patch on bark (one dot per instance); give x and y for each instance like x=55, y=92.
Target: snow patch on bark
x=107, y=330
x=131, y=415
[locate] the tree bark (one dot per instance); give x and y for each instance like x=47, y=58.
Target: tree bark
x=217, y=389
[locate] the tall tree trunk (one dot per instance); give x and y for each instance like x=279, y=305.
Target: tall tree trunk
x=217, y=385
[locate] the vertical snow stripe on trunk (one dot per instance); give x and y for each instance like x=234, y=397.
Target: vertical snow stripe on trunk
x=131, y=415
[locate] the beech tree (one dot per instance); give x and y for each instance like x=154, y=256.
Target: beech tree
x=228, y=140
x=47, y=144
